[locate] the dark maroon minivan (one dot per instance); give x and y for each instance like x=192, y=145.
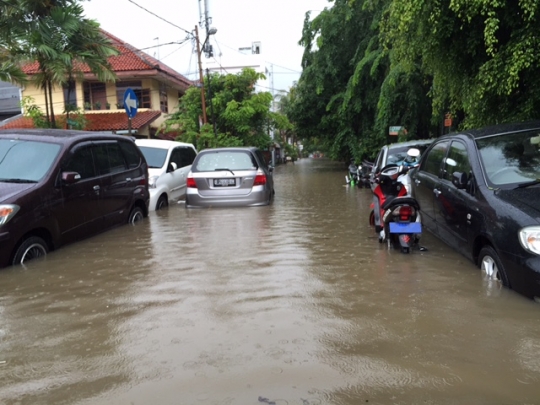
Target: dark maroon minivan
x=60, y=186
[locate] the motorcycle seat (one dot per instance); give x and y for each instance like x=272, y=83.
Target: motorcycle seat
x=400, y=201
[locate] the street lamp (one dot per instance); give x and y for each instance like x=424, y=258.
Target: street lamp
x=211, y=31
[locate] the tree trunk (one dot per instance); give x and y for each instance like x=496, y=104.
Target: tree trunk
x=53, y=120
x=47, y=104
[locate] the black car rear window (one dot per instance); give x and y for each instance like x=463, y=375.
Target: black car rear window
x=130, y=152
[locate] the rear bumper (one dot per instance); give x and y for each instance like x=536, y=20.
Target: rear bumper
x=253, y=199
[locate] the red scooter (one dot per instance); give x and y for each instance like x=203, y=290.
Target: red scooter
x=395, y=215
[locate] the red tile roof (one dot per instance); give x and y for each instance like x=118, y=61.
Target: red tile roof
x=118, y=121
x=129, y=59
x=110, y=121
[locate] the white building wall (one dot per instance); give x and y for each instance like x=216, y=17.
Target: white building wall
x=234, y=62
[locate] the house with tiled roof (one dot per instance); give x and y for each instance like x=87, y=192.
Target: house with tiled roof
x=157, y=87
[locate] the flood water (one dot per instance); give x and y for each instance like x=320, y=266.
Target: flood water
x=295, y=303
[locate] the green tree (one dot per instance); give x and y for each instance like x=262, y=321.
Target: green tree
x=240, y=114
x=54, y=34
x=482, y=55
x=348, y=95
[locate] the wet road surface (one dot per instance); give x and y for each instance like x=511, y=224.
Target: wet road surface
x=295, y=303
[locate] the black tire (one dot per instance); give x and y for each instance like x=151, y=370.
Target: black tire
x=162, y=202
x=186, y=202
x=271, y=197
x=135, y=215
x=32, y=248
x=490, y=264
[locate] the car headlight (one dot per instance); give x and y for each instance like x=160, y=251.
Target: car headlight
x=152, y=181
x=529, y=238
x=7, y=211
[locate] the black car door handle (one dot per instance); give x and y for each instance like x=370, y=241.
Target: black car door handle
x=417, y=181
x=436, y=192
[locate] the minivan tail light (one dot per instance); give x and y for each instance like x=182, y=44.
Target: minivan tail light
x=190, y=182
x=260, y=180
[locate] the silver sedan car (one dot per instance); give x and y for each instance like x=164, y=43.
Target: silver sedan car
x=229, y=177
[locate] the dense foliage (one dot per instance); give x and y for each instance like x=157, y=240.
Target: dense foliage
x=372, y=64
x=237, y=114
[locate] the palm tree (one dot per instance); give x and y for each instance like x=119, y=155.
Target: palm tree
x=54, y=34
x=63, y=43
x=11, y=27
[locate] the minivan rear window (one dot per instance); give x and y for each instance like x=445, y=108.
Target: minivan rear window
x=26, y=161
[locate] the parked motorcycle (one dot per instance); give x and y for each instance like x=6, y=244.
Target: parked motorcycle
x=352, y=178
x=364, y=171
x=395, y=215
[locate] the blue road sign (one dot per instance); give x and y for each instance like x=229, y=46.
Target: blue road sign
x=130, y=103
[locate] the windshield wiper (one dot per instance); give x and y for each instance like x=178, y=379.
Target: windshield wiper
x=528, y=183
x=224, y=170
x=17, y=181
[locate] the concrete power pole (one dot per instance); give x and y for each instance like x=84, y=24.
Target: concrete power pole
x=201, y=75
x=273, y=108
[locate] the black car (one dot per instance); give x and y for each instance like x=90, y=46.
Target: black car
x=479, y=191
x=396, y=153
x=60, y=186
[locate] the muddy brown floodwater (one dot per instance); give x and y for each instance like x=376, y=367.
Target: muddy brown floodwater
x=295, y=303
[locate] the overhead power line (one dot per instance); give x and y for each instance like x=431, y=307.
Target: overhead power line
x=161, y=18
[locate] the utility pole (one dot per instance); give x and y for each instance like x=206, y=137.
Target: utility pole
x=272, y=108
x=201, y=76
x=210, y=100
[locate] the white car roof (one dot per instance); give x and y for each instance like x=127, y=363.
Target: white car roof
x=161, y=143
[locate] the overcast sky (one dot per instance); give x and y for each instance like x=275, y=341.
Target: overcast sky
x=277, y=24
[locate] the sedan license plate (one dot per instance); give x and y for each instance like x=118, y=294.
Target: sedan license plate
x=405, y=227
x=224, y=182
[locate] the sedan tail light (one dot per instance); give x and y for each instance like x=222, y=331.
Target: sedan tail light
x=260, y=180
x=190, y=182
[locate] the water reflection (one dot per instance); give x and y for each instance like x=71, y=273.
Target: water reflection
x=295, y=303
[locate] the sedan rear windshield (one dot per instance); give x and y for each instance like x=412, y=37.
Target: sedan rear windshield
x=224, y=160
x=511, y=159
x=398, y=155
x=26, y=161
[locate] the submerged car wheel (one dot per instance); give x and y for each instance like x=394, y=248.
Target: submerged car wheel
x=162, y=202
x=32, y=248
x=491, y=266
x=135, y=215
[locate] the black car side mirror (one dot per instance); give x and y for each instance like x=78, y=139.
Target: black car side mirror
x=70, y=177
x=459, y=180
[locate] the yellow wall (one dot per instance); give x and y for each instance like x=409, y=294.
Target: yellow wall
x=39, y=97
x=58, y=99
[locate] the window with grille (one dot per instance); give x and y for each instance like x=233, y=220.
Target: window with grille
x=143, y=95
